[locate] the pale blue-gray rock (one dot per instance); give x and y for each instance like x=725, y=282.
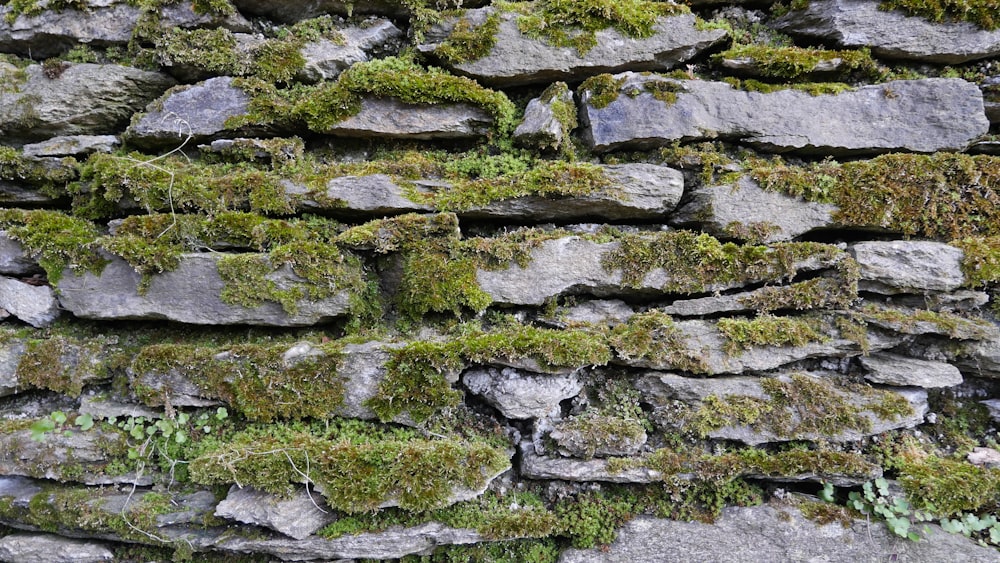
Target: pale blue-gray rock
x=892, y=369
x=908, y=266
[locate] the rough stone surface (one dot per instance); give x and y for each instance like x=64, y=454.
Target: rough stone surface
x=521, y=395
x=994, y=407
x=73, y=455
x=774, y=532
x=33, y=304
x=388, y=117
x=981, y=359
x=188, y=294
x=49, y=548
x=297, y=517
x=291, y=11
x=660, y=388
x=72, y=145
x=985, y=457
x=720, y=210
x=102, y=23
x=13, y=260
x=927, y=115
x=541, y=128
x=534, y=466
x=325, y=60
x=908, y=266
x=517, y=59
x=859, y=23
x=583, y=443
x=607, y=312
x=86, y=99
x=893, y=369
x=372, y=194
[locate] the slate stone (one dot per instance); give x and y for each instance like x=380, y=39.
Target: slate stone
x=521, y=395
x=981, y=359
x=581, y=442
x=33, y=304
x=540, y=128
x=297, y=517
x=85, y=99
x=325, y=59
x=72, y=145
x=13, y=259
x=890, y=34
x=26, y=547
x=904, y=320
x=890, y=267
x=892, y=369
x=534, y=466
x=607, y=312
x=517, y=59
x=188, y=294
x=391, y=118
x=71, y=455
x=928, y=115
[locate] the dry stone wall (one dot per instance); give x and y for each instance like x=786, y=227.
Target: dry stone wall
x=493, y=281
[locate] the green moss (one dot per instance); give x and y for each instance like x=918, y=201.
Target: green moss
x=663, y=90
x=30, y=8
x=603, y=89
x=256, y=380
x=698, y=262
x=708, y=157
x=523, y=551
x=62, y=364
x=768, y=330
x=653, y=337
x=357, y=466
x=948, y=487
x=824, y=513
x=213, y=51
x=981, y=260
x=922, y=321
x=811, y=88
x=55, y=239
x=983, y=13
x=943, y=195
x=468, y=42
x=792, y=63
x=592, y=432
x=49, y=178
x=818, y=293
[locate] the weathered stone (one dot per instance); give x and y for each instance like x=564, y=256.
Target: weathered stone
x=99, y=406
x=518, y=59
x=729, y=210
x=297, y=517
x=325, y=59
x=893, y=369
x=775, y=532
x=85, y=99
x=541, y=127
x=607, y=312
x=602, y=436
x=981, y=359
x=963, y=300
x=191, y=293
x=573, y=265
x=984, y=457
x=72, y=145
x=903, y=320
x=748, y=66
x=391, y=118
x=50, y=548
x=373, y=195
x=194, y=114
x=33, y=304
x=14, y=194
x=890, y=34
x=97, y=23
x=534, y=466
x=13, y=260
x=660, y=389
x=522, y=395
x=70, y=455
x=927, y=115
x=911, y=266
x=993, y=405
x=10, y=357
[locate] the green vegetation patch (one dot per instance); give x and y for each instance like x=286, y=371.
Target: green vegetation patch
x=697, y=262
x=948, y=487
x=603, y=89
x=63, y=364
x=49, y=178
x=983, y=13
x=358, y=466
x=58, y=241
x=654, y=337
x=792, y=63
x=922, y=321
x=468, y=42
x=981, y=261
x=811, y=88
x=943, y=196
x=768, y=330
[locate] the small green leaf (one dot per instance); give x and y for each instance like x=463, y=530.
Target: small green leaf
x=59, y=417
x=84, y=421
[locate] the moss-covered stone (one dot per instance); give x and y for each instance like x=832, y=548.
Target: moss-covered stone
x=654, y=337
x=58, y=241
x=794, y=63
x=980, y=12
x=768, y=330
x=949, y=487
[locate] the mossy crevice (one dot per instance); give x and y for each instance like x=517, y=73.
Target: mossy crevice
x=983, y=13
x=795, y=63
x=57, y=240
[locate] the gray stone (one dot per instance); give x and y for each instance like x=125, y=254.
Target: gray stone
x=297, y=517
x=541, y=128
x=10, y=357
x=894, y=35
x=325, y=60
x=65, y=454
x=981, y=359
x=13, y=260
x=291, y=11
x=521, y=395
x=608, y=312
x=927, y=115
x=72, y=145
x=993, y=405
x=86, y=99
x=518, y=59
x=192, y=114
x=371, y=195
x=363, y=369
x=903, y=320
x=49, y=548
x=534, y=466
x=595, y=435
x=391, y=118
x=774, y=532
x=893, y=369
x=961, y=301
x=99, y=406
x=661, y=388
x=191, y=293
x=984, y=457
x=911, y=266
x=33, y=304
x=99, y=23
x=13, y=194
x=726, y=209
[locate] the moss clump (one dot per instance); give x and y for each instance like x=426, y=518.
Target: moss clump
x=981, y=261
x=811, y=88
x=983, y=13
x=212, y=51
x=62, y=364
x=55, y=239
x=699, y=262
x=358, y=466
x=593, y=433
x=923, y=321
x=710, y=158
x=948, y=487
x=653, y=337
x=792, y=63
x=468, y=42
x=663, y=90
x=943, y=195
x=603, y=89
x=768, y=330
x=49, y=178
x=817, y=293
x=573, y=23
x=258, y=381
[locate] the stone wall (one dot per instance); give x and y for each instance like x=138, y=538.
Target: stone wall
x=544, y=281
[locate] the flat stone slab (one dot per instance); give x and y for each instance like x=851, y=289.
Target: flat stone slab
x=70, y=455
x=776, y=532
x=72, y=145
x=522, y=395
x=13, y=259
x=899, y=266
x=893, y=369
x=297, y=517
x=325, y=59
x=188, y=294
x=33, y=304
x=927, y=115
x=892, y=34
x=391, y=118
x=517, y=59
x=534, y=466
x=49, y=548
